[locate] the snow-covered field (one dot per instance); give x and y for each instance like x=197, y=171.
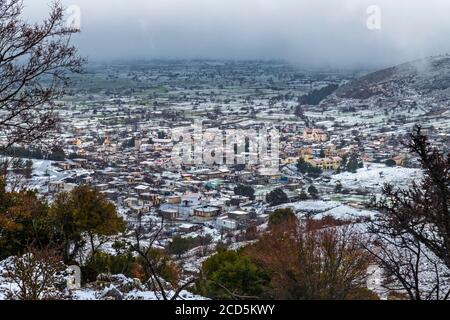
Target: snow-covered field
x=373, y=176
x=320, y=209
x=43, y=172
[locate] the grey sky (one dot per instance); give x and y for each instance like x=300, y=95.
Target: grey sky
x=305, y=32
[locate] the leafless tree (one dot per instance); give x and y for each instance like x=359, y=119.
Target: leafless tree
x=35, y=62
x=150, y=235
x=317, y=263
x=412, y=231
x=14, y=181
x=37, y=275
x=409, y=268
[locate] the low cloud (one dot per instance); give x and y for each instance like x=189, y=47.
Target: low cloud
x=317, y=33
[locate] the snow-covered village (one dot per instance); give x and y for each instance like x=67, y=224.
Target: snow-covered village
x=218, y=179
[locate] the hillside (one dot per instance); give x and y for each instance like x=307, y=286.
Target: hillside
x=429, y=77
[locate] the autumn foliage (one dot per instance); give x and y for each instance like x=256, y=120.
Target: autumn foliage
x=82, y=214
x=304, y=263
x=294, y=260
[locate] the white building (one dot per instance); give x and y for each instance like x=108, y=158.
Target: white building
x=226, y=223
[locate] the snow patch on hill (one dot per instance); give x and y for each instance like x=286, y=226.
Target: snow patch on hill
x=374, y=176
x=321, y=209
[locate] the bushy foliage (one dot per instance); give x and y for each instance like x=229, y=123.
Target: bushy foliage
x=26, y=219
x=281, y=216
x=57, y=154
x=295, y=260
x=312, y=190
x=390, y=163
x=163, y=266
x=316, y=96
x=277, y=197
x=84, y=211
x=352, y=163
x=103, y=263
x=306, y=168
x=232, y=275
x=312, y=264
x=180, y=245
x=246, y=191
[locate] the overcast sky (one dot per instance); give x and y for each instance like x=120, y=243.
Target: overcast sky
x=328, y=33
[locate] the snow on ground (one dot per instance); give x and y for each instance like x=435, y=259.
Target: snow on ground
x=319, y=209
x=215, y=234
x=89, y=294
x=4, y=285
x=373, y=176
x=310, y=206
x=41, y=167
x=346, y=212
x=45, y=171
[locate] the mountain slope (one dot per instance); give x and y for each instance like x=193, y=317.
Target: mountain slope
x=426, y=77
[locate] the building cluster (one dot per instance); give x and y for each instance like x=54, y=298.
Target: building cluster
x=121, y=142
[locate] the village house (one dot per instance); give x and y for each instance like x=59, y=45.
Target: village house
x=226, y=223
x=265, y=175
x=305, y=152
x=151, y=198
x=315, y=135
x=173, y=199
x=68, y=165
x=238, y=200
x=188, y=228
x=332, y=163
x=206, y=174
x=331, y=151
x=290, y=160
x=60, y=186
x=239, y=215
x=169, y=212
x=112, y=195
x=136, y=206
x=83, y=163
x=56, y=186
x=207, y=212
x=183, y=209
